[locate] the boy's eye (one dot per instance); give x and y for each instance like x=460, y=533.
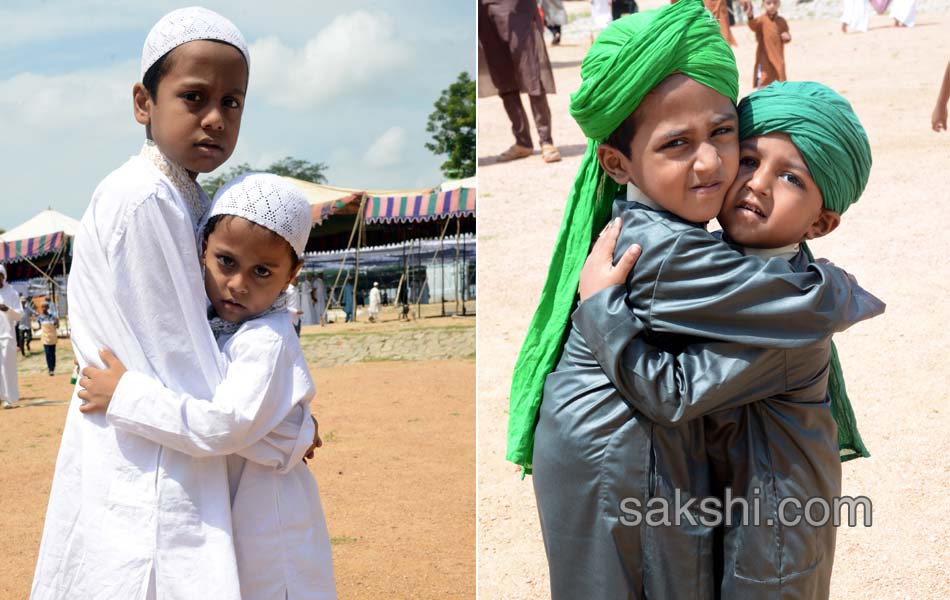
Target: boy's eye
x=794, y=180
x=724, y=130
x=225, y=261
x=748, y=161
x=673, y=143
x=231, y=102
x=262, y=271
x=191, y=96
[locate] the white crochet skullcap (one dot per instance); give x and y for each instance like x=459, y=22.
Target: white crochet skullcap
x=270, y=201
x=187, y=25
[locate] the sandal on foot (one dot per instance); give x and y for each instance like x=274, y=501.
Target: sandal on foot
x=514, y=153
x=550, y=153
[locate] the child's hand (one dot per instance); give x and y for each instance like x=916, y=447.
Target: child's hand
x=786, y=37
x=317, y=442
x=939, y=119
x=599, y=271
x=99, y=384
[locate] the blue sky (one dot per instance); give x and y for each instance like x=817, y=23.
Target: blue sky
x=349, y=84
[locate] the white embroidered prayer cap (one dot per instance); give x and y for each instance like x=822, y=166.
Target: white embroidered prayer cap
x=187, y=25
x=270, y=201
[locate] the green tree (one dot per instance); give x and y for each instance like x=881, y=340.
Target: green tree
x=287, y=167
x=452, y=126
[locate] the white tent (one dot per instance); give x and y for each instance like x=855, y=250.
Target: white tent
x=47, y=222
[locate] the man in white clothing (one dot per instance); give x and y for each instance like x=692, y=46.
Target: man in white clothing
x=9, y=317
x=293, y=305
x=374, y=301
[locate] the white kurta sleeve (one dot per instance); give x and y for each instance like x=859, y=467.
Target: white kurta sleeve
x=254, y=399
x=160, y=294
x=11, y=298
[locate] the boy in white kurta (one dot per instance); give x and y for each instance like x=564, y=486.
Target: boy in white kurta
x=255, y=236
x=130, y=519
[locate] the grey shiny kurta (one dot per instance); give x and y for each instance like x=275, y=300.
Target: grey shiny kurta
x=593, y=450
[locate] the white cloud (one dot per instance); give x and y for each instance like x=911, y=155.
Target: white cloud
x=98, y=100
x=63, y=20
x=387, y=150
x=349, y=55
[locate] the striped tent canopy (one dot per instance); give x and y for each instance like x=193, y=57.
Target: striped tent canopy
x=47, y=232
x=421, y=207
x=327, y=200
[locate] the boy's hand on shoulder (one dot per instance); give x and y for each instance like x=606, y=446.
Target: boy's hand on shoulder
x=98, y=385
x=786, y=37
x=599, y=271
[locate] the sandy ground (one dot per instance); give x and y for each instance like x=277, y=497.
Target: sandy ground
x=893, y=240
x=396, y=473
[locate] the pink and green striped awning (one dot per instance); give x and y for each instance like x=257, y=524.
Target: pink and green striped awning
x=428, y=207
x=32, y=247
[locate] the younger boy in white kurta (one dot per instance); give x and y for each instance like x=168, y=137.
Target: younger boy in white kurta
x=261, y=408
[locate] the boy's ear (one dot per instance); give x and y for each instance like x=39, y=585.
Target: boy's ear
x=141, y=104
x=614, y=163
x=826, y=222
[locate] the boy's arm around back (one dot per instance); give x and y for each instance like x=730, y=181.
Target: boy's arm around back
x=704, y=288
x=253, y=399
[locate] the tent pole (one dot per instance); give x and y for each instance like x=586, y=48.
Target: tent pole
x=458, y=230
x=359, y=235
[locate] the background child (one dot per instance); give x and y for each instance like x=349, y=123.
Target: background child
x=771, y=35
x=9, y=316
x=255, y=238
x=939, y=119
x=49, y=336
x=129, y=518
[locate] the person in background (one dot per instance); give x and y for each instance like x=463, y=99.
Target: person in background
x=374, y=302
x=49, y=323
x=554, y=17
x=939, y=118
x=293, y=305
x=24, y=330
x=9, y=315
x=348, y=301
x=318, y=296
x=771, y=35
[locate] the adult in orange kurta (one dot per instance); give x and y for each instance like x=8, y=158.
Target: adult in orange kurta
x=720, y=10
x=771, y=35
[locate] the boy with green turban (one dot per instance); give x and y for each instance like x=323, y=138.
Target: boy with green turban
x=657, y=103
x=770, y=413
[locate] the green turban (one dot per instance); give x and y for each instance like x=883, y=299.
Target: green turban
x=830, y=138
x=823, y=127
x=630, y=58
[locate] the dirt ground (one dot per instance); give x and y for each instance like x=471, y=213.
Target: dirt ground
x=894, y=240
x=396, y=473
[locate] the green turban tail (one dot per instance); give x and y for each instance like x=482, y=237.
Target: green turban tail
x=630, y=57
x=830, y=138
x=823, y=127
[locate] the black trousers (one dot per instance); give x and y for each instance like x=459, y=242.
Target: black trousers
x=50, y=356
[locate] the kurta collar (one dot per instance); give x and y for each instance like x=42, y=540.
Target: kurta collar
x=195, y=200
x=786, y=252
x=634, y=194
x=220, y=327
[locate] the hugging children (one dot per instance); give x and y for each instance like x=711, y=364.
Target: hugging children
x=699, y=326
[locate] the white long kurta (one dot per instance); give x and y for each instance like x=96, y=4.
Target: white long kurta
x=905, y=11
x=9, y=386
x=320, y=293
x=856, y=14
x=261, y=411
x=309, y=314
x=374, y=302
x=122, y=508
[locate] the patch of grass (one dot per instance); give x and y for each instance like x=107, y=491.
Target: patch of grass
x=455, y=414
x=330, y=437
x=342, y=539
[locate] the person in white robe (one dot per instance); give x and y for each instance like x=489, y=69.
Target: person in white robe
x=600, y=13
x=309, y=316
x=904, y=12
x=259, y=411
x=855, y=15
x=128, y=518
x=10, y=314
x=293, y=305
x=375, y=300
x=319, y=297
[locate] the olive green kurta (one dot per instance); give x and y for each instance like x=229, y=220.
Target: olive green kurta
x=593, y=450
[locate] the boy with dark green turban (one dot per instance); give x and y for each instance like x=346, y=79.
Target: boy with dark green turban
x=770, y=413
x=657, y=103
